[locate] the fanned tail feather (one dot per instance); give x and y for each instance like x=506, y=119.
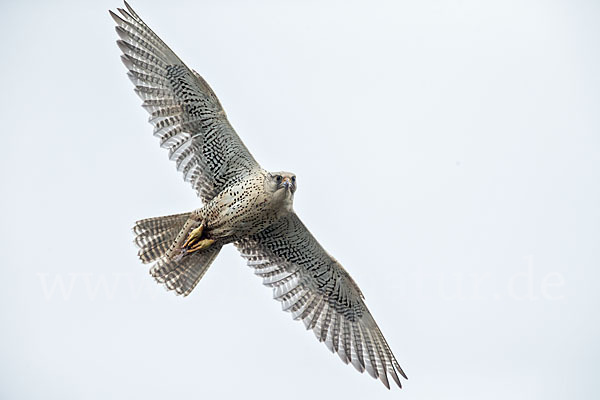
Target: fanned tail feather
x=155, y=236
x=182, y=275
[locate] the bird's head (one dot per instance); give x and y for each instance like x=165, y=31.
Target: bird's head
x=285, y=181
x=282, y=185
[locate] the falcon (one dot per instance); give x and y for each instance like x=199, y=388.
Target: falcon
x=243, y=204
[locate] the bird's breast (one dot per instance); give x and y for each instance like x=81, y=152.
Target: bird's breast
x=243, y=210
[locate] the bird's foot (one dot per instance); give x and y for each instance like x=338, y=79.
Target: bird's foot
x=194, y=242
x=194, y=236
x=200, y=245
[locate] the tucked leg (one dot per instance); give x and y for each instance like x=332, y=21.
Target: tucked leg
x=194, y=236
x=194, y=241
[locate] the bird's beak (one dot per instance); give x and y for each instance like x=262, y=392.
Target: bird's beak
x=287, y=182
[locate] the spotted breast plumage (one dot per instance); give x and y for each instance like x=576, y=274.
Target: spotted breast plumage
x=243, y=204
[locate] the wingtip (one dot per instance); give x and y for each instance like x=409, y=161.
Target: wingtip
x=395, y=378
x=133, y=79
x=133, y=13
x=358, y=365
x=125, y=13
x=126, y=60
x=116, y=18
x=401, y=371
x=123, y=34
x=122, y=45
x=383, y=378
x=342, y=356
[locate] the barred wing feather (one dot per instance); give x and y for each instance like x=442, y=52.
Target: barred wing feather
x=316, y=289
x=187, y=116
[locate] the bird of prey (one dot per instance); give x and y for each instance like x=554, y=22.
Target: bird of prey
x=243, y=204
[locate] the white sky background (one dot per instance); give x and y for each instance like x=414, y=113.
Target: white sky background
x=448, y=154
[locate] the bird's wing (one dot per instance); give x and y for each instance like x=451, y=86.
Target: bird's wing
x=187, y=116
x=316, y=289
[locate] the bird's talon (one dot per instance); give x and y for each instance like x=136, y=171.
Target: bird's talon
x=201, y=245
x=194, y=235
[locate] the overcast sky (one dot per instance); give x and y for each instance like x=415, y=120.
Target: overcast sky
x=447, y=154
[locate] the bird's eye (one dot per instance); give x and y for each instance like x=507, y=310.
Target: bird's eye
x=293, y=179
x=279, y=178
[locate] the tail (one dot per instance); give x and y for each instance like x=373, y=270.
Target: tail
x=155, y=236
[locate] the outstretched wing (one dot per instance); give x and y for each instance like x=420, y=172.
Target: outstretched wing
x=187, y=116
x=316, y=289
